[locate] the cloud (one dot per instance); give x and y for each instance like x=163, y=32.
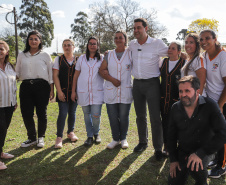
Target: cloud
x=176, y=13
x=58, y=13
x=6, y=8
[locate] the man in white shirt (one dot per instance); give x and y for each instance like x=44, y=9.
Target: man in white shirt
x=146, y=53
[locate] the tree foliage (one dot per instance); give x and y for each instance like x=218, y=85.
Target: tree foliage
x=107, y=18
x=81, y=30
x=9, y=37
x=35, y=15
x=202, y=24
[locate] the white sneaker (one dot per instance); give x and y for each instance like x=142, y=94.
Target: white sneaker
x=112, y=144
x=40, y=142
x=124, y=143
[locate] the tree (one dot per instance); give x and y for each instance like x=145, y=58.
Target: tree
x=202, y=24
x=8, y=36
x=35, y=15
x=108, y=18
x=81, y=30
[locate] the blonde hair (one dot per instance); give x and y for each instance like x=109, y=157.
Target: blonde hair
x=6, y=46
x=70, y=40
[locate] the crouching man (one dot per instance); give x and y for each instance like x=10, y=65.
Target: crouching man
x=197, y=129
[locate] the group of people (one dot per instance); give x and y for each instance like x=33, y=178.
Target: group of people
x=191, y=131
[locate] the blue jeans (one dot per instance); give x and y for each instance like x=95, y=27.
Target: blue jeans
x=64, y=109
x=92, y=114
x=119, y=120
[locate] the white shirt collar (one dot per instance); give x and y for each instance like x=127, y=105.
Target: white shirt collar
x=149, y=40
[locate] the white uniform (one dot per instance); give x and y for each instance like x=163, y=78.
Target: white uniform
x=121, y=70
x=216, y=70
x=196, y=64
x=90, y=84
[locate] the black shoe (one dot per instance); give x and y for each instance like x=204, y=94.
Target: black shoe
x=97, y=138
x=217, y=172
x=158, y=155
x=28, y=143
x=140, y=147
x=89, y=141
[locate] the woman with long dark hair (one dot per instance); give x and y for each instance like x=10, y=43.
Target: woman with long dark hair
x=88, y=90
x=195, y=64
x=34, y=68
x=8, y=101
x=215, y=57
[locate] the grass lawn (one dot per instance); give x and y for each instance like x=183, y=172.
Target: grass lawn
x=77, y=164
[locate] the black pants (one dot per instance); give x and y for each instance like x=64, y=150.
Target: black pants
x=6, y=114
x=221, y=154
x=34, y=94
x=147, y=92
x=200, y=176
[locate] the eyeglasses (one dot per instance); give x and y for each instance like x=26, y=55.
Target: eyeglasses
x=92, y=44
x=120, y=38
x=35, y=39
x=206, y=38
x=67, y=45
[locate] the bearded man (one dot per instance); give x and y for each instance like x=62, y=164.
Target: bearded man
x=197, y=129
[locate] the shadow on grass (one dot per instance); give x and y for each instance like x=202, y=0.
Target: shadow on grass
x=115, y=175
x=151, y=172
x=42, y=167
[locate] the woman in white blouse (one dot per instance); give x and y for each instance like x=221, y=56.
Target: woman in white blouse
x=34, y=68
x=88, y=89
x=7, y=97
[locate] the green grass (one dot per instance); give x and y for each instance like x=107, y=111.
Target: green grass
x=76, y=164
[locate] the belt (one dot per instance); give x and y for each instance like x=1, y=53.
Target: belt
x=32, y=81
x=149, y=79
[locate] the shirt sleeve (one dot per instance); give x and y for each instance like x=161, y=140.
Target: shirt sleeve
x=49, y=68
x=223, y=65
x=56, y=63
x=18, y=64
x=162, y=49
x=198, y=63
x=78, y=64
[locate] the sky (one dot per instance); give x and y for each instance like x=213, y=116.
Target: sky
x=174, y=14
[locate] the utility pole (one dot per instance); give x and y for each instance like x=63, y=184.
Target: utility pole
x=15, y=21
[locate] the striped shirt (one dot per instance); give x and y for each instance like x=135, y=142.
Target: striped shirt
x=7, y=86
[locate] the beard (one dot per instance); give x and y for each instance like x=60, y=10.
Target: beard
x=187, y=102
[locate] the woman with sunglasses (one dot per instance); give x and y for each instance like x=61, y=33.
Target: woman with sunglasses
x=87, y=89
